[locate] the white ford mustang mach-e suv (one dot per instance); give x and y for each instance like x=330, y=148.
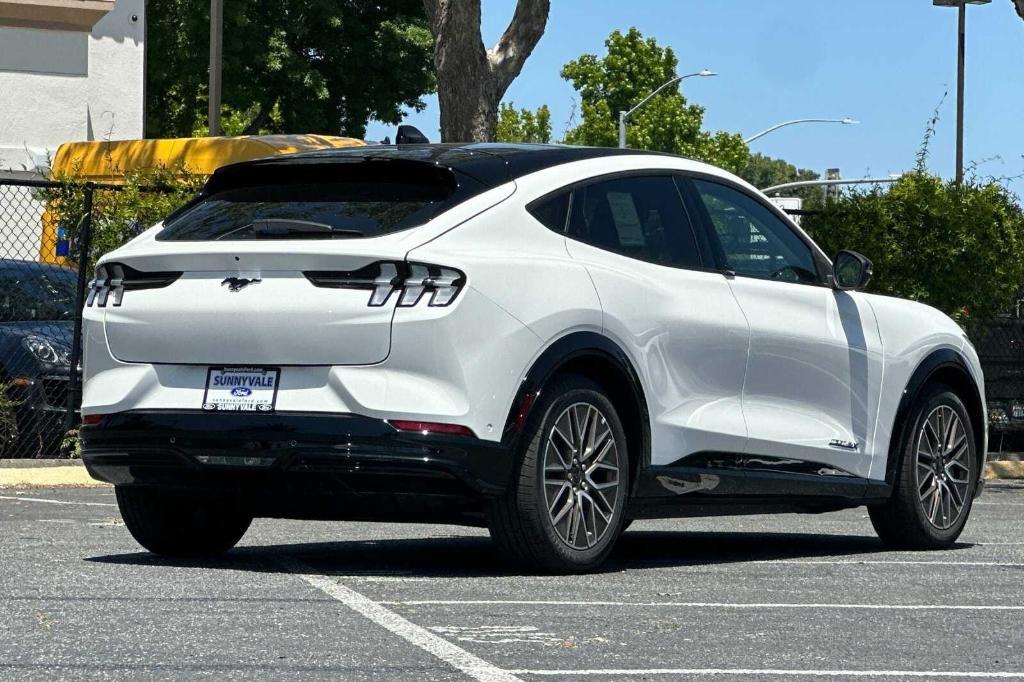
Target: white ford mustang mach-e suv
x=548, y=341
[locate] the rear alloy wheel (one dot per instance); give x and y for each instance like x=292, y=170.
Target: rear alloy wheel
x=936, y=479
x=581, y=475
x=564, y=510
x=176, y=523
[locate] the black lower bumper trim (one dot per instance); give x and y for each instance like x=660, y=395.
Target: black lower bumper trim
x=299, y=464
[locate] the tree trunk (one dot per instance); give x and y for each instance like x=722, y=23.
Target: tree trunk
x=471, y=79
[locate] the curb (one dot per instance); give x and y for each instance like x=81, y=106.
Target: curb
x=38, y=463
x=41, y=473
x=63, y=473
x=1003, y=469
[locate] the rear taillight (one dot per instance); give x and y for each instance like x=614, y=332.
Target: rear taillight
x=432, y=427
x=412, y=282
x=113, y=279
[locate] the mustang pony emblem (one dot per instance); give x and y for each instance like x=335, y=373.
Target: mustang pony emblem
x=239, y=283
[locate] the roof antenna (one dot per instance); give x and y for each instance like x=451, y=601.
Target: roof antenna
x=410, y=135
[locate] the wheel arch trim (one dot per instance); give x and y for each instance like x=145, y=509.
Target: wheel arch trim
x=940, y=360
x=558, y=355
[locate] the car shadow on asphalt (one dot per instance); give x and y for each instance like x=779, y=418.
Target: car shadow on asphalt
x=475, y=556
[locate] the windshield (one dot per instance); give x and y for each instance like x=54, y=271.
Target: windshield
x=334, y=210
x=36, y=293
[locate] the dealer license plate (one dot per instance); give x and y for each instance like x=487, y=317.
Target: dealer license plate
x=241, y=389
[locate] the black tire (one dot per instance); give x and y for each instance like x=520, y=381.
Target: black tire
x=903, y=522
x=174, y=523
x=519, y=521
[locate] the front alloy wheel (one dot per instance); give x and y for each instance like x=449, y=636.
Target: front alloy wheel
x=936, y=476
x=943, y=467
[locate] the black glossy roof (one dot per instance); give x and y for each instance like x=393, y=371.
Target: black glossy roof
x=491, y=164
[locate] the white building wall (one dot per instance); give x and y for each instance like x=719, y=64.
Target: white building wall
x=63, y=86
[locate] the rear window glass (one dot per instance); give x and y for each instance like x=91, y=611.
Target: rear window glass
x=309, y=210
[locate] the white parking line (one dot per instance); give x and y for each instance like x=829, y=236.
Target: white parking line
x=45, y=501
x=707, y=605
x=458, y=658
x=884, y=562
x=775, y=672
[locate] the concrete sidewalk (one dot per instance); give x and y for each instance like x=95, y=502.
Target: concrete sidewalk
x=71, y=473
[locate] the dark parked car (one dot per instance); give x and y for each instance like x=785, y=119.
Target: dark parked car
x=36, y=311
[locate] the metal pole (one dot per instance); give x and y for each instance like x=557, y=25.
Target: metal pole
x=216, y=57
x=75, y=379
x=961, y=51
x=844, y=121
x=827, y=183
x=624, y=115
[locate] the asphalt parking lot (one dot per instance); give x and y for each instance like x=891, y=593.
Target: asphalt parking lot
x=728, y=598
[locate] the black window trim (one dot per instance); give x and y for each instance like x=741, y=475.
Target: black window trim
x=704, y=252
x=822, y=263
x=531, y=207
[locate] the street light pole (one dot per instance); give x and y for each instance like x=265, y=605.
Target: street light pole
x=961, y=53
x=845, y=121
x=216, y=57
x=624, y=115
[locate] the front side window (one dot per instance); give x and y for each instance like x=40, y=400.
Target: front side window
x=637, y=216
x=755, y=242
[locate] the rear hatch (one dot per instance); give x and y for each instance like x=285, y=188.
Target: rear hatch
x=277, y=263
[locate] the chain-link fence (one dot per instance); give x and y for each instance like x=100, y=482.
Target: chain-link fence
x=38, y=301
x=1000, y=346
x=42, y=287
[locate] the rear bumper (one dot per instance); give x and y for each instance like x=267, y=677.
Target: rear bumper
x=301, y=465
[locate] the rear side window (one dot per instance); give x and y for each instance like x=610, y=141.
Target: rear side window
x=639, y=217
x=552, y=211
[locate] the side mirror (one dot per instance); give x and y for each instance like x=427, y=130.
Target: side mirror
x=851, y=271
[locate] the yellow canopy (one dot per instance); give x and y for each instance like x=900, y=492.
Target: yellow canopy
x=108, y=161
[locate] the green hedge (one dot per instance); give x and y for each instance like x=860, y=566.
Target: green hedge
x=957, y=247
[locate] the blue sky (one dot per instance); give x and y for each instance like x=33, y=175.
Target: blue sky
x=883, y=62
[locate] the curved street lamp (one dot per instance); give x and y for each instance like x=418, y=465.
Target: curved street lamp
x=845, y=121
x=624, y=115
x=961, y=5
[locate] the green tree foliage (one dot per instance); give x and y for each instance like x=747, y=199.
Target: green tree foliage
x=145, y=198
x=290, y=66
x=523, y=125
x=764, y=171
x=634, y=67
x=957, y=247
